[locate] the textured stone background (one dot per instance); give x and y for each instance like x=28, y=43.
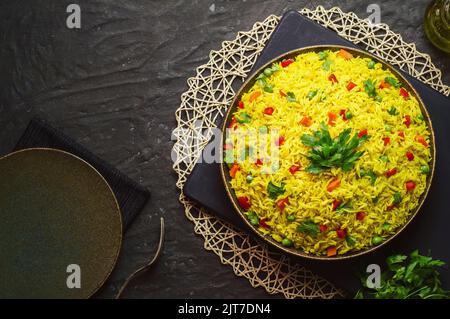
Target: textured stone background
x=114, y=86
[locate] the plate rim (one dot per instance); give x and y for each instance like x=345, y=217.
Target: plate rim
x=95, y=171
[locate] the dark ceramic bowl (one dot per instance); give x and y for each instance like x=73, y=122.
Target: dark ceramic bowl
x=251, y=81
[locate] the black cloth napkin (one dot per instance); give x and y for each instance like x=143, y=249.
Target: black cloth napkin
x=131, y=196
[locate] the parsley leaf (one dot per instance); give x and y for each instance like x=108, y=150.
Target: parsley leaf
x=327, y=152
x=408, y=277
x=290, y=96
x=392, y=81
x=369, y=87
x=274, y=190
x=308, y=227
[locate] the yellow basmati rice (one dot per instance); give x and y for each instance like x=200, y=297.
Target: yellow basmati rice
x=307, y=193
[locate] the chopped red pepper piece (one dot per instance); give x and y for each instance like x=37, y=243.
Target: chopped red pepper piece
x=282, y=93
x=341, y=233
x=280, y=141
x=336, y=204
x=323, y=228
x=386, y=140
x=362, y=133
x=259, y=162
x=281, y=204
x=350, y=86
x=287, y=62
x=391, y=207
x=333, y=185
x=409, y=156
x=241, y=104
x=233, y=170
x=331, y=251
x=254, y=96
x=268, y=110
x=228, y=147
x=332, y=118
x=391, y=172
x=404, y=93
x=342, y=113
x=306, y=121
x=407, y=121
x=384, y=85
x=360, y=215
x=262, y=223
x=294, y=169
x=232, y=123
x=401, y=134
x=421, y=140
x=410, y=185
x=244, y=202
x=333, y=78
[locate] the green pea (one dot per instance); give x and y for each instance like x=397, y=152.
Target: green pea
x=371, y=64
x=268, y=72
x=384, y=158
x=386, y=226
x=249, y=178
x=420, y=117
x=388, y=128
x=286, y=242
x=290, y=218
x=376, y=240
x=349, y=115
x=425, y=169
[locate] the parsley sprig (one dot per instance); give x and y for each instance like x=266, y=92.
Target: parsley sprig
x=327, y=152
x=413, y=277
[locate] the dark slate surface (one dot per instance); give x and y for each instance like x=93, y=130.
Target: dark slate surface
x=114, y=86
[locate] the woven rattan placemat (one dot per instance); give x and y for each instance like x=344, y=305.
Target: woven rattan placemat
x=208, y=96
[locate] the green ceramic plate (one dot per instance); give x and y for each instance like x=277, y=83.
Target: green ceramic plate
x=55, y=210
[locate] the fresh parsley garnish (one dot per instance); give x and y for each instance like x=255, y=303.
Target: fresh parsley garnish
x=323, y=55
x=290, y=96
x=369, y=87
x=274, y=190
x=371, y=174
x=311, y=94
x=327, y=152
x=308, y=227
x=327, y=65
x=408, y=277
x=392, y=81
x=392, y=111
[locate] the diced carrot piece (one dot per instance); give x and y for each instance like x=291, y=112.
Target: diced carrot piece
x=384, y=85
x=241, y=105
x=254, y=96
x=421, y=140
x=306, y=121
x=332, y=118
x=282, y=93
x=331, y=251
x=333, y=185
x=233, y=170
x=345, y=54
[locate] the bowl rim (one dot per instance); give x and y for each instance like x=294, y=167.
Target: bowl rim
x=252, y=79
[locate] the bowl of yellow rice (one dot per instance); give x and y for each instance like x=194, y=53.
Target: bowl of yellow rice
x=328, y=152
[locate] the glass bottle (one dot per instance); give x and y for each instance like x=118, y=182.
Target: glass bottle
x=437, y=24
